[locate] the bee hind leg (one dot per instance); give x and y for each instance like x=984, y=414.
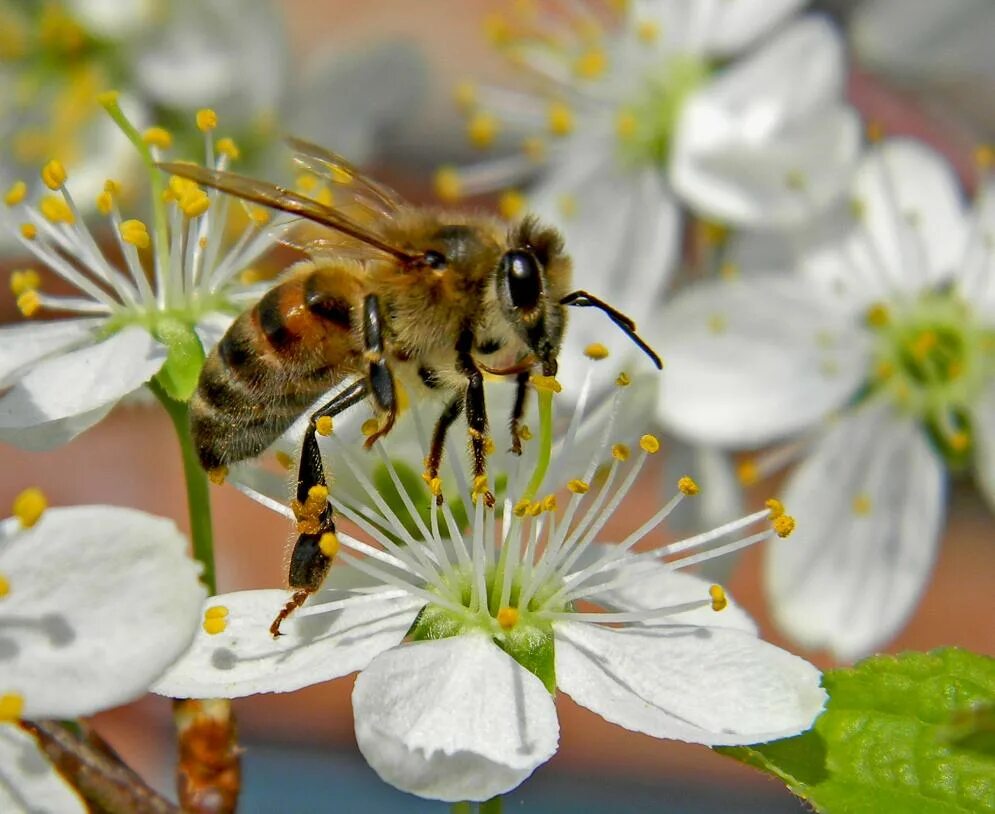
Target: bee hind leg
x=476, y=417
x=434, y=460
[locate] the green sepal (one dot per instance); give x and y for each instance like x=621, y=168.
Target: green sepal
x=533, y=647
x=889, y=738
x=184, y=358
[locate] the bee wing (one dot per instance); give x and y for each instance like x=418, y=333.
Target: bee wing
x=334, y=169
x=285, y=200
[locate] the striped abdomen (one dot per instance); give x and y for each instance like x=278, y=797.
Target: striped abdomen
x=275, y=360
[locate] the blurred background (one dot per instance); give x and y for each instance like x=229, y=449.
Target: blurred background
x=375, y=81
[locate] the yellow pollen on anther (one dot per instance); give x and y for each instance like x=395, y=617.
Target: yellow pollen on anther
x=481, y=129
x=29, y=231
x=775, y=507
x=213, y=625
x=216, y=612
x=623, y=380
x=194, y=202
x=535, y=509
x=227, y=146
x=578, y=486
x=28, y=303
x=748, y=472
x=217, y=475
x=546, y=383
x=521, y=508
x=511, y=204
x=105, y=203
x=16, y=193
x=560, y=119
x=11, y=707
x=323, y=426
x=591, y=64
x=448, y=184
x=4, y=586
x=284, y=459
x=29, y=506
x=260, y=215
x=688, y=486
x=370, y=426
x=158, y=137
x=878, y=315
x=861, y=505
x=135, y=233
x=718, y=595
x=465, y=94
x=112, y=186
x=648, y=31
x=507, y=617
x=620, y=452
x=56, y=210
x=649, y=444
x=24, y=280
x=53, y=174
x=549, y=503
x=525, y=433
x=206, y=119
x=784, y=525
x=329, y=544
x=596, y=351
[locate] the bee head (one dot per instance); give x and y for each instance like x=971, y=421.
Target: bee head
x=532, y=277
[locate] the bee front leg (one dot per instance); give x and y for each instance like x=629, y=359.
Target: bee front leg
x=518, y=410
x=476, y=416
x=316, y=542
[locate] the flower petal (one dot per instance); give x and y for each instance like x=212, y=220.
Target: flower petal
x=84, y=381
x=105, y=599
x=28, y=343
x=869, y=504
x=771, y=141
x=211, y=328
x=983, y=423
x=754, y=359
x=29, y=784
x=453, y=719
x=245, y=659
x=708, y=685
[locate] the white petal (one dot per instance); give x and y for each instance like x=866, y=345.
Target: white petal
x=211, y=328
x=27, y=343
x=754, y=359
x=29, y=784
x=245, y=659
x=983, y=424
x=82, y=381
x=698, y=684
x=848, y=579
x=113, y=19
x=736, y=25
x=745, y=141
x=105, y=599
x=453, y=719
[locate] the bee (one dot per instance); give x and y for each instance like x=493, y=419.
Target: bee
x=412, y=295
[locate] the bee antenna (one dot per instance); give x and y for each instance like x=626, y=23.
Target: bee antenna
x=581, y=299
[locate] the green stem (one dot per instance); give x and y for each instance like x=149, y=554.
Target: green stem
x=198, y=493
x=461, y=808
x=492, y=806
x=545, y=443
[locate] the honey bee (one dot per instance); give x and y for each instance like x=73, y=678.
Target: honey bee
x=428, y=299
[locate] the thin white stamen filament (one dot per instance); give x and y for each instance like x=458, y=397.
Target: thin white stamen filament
x=610, y=617
x=478, y=600
x=380, y=595
x=699, y=540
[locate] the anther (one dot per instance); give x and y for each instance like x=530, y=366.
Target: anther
x=24, y=280
x=525, y=433
x=105, y=203
x=481, y=129
x=323, y=426
x=549, y=503
x=511, y=204
x=620, y=452
x=688, y=486
x=748, y=472
x=217, y=475
x=11, y=707
x=560, y=119
x=718, y=595
x=507, y=617
x=29, y=506
x=626, y=125
x=136, y=233
x=878, y=315
x=28, y=303
x=960, y=441
x=448, y=184
x=206, y=119
x=29, y=231
x=53, y=174
x=158, y=137
x=596, y=351
x=861, y=505
x=16, y=193
x=4, y=586
x=215, y=620
x=546, y=383
x=260, y=216
x=465, y=94
x=56, y=210
x=648, y=31
x=108, y=98
x=775, y=507
x=534, y=148
x=329, y=544
x=623, y=379
x=578, y=487
x=227, y=146
x=591, y=64
x=649, y=444
x=521, y=508
x=435, y=486
x=369, y=427
x=784, y=525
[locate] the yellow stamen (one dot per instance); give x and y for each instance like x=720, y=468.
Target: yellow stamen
x=465, y=94
x=11, y=707
x=251, y=275
x=158, y=137
x=923, y=344
x=549, y=503
x=28, y=303
x=623, y=380
x=448, y=185
x=284, y=459
x=718, y=595
x=521, y=508
x=748, y=472
x=216, y=612
x=775, y=507
x=481, y=129
x=578, y=487
x=511, y=204
x=329, y=544
x=193, y=203
x=227, y=146
x=217, y=475
x=260, y=215
x=535, y=509
x=56, y=210
x=648, y=31
x=546, y=383
x=884, y=370
x=215, y=620
x=688, y=486
x=24, y=280
x=207, y=119
x=4, y=586
x=591, y=64
x=136, y=233
x=53, y=174
x=875, y=132
x=29, y=231
x=878, y=315
x=525, y=433
x=596, y=351
x=784, y=525
x=370, y=426
x=534, y=148
x=861, y=504
x=560, y=119
x=620, y=452
x=649, y=444
x=105, y=203
x=112, y=186
x=507, y=617
x=17, y=193
x=323, y=426
x=29, y=506
x=626, y=125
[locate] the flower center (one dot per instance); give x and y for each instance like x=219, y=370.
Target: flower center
x=646, y=124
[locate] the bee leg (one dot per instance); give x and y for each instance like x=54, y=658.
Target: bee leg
x=453, y=411
x=380, y=381
x=476, y=416
x=316, y=542
x=518, y=410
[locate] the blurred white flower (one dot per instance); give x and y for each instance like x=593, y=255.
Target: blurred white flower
x=463, y=633
x=95, y=603
x=874, y=360
x=62, y=376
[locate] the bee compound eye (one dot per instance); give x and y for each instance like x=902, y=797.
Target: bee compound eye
x=435, y=260
x=523, y=278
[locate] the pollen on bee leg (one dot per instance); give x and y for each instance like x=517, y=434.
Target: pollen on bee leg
x=329, y=544
x=507, y=617
x=489, y=446
x=29, y=506
x=323, y=426
x=217, y=475
x=11, y=707
x=596, y=351
x=479, y=485
x=784, y=525
x=688, y=486
x=718, y=595
x=215, y=619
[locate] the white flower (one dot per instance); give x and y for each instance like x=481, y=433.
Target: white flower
x=729, y=109
x=463, y=637
x=95, y=603
x=62, y=376
x=889, y=321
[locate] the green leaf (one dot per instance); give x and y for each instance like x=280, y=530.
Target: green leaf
x=908, y=733
x=184, y=358
x=532, y=647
